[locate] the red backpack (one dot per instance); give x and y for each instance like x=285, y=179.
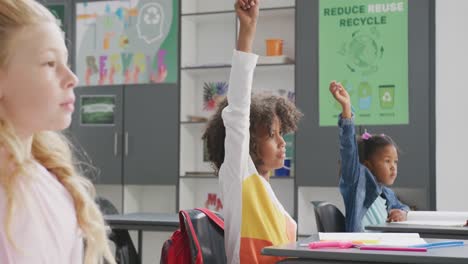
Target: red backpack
x=199, y=240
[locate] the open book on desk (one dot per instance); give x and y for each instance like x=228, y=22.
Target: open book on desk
x=436, y=218
x=379, y=239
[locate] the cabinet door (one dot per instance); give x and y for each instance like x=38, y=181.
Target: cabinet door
x=151, y=134
x=97, y=129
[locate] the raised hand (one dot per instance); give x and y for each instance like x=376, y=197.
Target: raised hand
x=342, y=97
x=247, y=11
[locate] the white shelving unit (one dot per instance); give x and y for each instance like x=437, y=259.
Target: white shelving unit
x=208, y=37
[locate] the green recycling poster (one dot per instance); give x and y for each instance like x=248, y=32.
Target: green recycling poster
x=364, y=45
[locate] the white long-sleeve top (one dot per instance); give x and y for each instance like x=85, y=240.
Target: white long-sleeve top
x=44, y=227
x=254, y=218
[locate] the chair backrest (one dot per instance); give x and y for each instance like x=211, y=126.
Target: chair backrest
x=328, y=217
x=125, y=252
x=106, y=206
x=210, y=237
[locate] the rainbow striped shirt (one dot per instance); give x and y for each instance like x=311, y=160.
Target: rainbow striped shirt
x=254, y=218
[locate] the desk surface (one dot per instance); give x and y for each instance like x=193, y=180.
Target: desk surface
x=144, y=221
x=449, y=232
x=450, y=255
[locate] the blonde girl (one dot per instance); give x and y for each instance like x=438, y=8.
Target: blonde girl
x=47, y=210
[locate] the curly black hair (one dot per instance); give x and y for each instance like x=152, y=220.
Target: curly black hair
x=263, y=109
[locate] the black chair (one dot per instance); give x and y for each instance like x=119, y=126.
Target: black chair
x=328, y=217
x=210, y=237
x=125, y=252
x=106, y=206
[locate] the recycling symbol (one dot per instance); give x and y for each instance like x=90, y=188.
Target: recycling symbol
x=386, y=97
x=152, y=16
x=363, y=52
x=150, y=23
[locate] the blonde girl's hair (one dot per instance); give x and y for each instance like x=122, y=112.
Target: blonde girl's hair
x=51, y=149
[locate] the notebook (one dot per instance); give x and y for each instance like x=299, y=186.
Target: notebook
x=380, y=239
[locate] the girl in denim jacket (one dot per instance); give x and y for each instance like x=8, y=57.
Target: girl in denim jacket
x=368, y=166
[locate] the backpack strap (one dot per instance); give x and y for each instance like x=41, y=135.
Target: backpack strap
x=218, y=221
x=184, y=214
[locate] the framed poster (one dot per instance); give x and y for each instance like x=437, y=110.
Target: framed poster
x=127, y=42
x=97, y=110
x=364, y=45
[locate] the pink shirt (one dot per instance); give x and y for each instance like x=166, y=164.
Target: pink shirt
x=44, y=226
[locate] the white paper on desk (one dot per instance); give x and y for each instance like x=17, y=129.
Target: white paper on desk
x=387, y=239
x=438, y=218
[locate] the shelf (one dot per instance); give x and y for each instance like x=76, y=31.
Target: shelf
x=210, y=17
x=230, y=16
x=207, y=13
x=194, y=129
x=208, y=37
x=262, y=10
x=229, y=11
x=226, y=66
x=277, y=3
x=276, y=64
x=193, y=123
x=199, y=177
x=206, y=67
x=203, y=6
x=218, y=69
x=282, y=177
x=277, y=12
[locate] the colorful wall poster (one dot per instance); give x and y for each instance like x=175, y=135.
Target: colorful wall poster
x=97, y=110
x=127, y=42
x=364, y=45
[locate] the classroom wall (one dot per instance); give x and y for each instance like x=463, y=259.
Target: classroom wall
x=451, y=174
x=451, y=97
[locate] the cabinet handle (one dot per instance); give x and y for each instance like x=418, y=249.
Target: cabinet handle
x=126, y=144
x=116, y=138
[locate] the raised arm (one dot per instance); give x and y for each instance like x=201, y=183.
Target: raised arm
x=237, y=162
x=236, y=114
x=342, y=97
x=350, y=165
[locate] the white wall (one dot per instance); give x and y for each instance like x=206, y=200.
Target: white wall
x=451, y=101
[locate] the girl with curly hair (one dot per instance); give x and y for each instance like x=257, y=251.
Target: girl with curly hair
x=245, y=143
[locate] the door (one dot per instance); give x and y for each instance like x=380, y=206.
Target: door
x=151, y=138
x=97, y=129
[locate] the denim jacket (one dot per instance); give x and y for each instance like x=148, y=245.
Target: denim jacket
x=358, y=185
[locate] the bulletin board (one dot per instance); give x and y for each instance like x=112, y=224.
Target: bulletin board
x=364, y=45
x=126, y=42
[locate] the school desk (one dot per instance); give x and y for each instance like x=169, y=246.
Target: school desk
x=143, y=222
x=300, y=254
x=448, y=232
